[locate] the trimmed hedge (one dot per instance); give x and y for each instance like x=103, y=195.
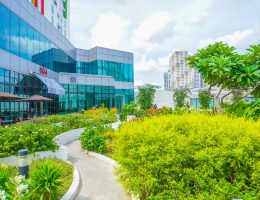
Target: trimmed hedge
x=38, y=134
x=190, y=156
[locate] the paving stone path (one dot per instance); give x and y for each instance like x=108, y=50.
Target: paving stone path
x=97, y=178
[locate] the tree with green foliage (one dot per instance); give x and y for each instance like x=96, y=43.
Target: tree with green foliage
x=221, y=66
x=179, y=96
x=204, y=98
x=145, y=95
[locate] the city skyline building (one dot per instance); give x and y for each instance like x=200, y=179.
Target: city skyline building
x=167, y=80
x=35, y=58
x=181, y=75
x=57, y=12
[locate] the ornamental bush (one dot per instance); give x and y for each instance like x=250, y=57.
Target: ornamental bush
x=130, y=109
x=38, y=134
x=92, y=138
x=190, y=156
x=34, y=137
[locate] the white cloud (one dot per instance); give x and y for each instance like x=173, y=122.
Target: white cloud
x=164, y=61
x=108, y=30
x=198, y=17
x=149, y=27
x=233, y=39
x=145, y=64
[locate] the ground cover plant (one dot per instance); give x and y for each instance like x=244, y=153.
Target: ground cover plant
x=189, y=156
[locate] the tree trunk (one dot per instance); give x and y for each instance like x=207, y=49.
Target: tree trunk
x=216, y=103
x=248, y=93
x=224, y=96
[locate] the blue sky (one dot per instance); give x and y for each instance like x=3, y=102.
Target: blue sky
x=153, y=29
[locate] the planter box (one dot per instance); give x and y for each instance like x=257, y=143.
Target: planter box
x=61, y=153
x=130, y=118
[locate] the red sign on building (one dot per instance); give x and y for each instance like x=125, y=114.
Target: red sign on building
x=43, y=70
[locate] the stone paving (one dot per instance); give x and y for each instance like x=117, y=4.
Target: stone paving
x=98, y=181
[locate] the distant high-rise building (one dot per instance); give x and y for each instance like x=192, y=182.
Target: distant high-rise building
x=181, y=74
x=167, y=81
x=197, y=80
x=57, y=12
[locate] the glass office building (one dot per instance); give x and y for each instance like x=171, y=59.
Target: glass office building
x=32, y=48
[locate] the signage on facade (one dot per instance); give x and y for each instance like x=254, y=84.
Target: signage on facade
x=43, y=70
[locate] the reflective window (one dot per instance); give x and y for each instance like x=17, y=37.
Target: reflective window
x=4, y=28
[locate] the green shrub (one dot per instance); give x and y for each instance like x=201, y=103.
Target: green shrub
x=190, y=156
x=238, y=110
x=204, y=99
x=92, y=138
x=18, y=188
x=38, y=134
x=6, y=172
x=46, y=177
x=253, y=110
x=130, y=109
x=244, y=109
x=34, y=137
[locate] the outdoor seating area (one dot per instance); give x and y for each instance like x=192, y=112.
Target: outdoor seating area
x=35, y=108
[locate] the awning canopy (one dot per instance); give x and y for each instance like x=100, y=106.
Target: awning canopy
x=36, y=98
x=52, y=85
x=4, y=96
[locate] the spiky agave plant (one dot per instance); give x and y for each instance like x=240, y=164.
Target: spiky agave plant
x=46, y=180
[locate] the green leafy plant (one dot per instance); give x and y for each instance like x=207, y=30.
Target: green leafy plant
x=18, y=188
x=253, y=110
x=204, y=99
x=146, y=95
x=46, y=180
x=179, y=96
x=130, y=109
x=92, y=139
x=6, y=173
x=189, y=156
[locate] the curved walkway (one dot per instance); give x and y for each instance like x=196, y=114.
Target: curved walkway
x=97, y=178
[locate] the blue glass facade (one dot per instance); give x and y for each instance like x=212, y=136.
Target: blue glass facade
x=119, y=71
x=19, y=37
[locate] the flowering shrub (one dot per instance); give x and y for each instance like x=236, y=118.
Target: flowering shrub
x=18, y=188
x=38, y=134
x=189, y=156
x=34, y=137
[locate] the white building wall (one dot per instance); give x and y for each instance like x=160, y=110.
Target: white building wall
x=181, y=74
x=53, y=11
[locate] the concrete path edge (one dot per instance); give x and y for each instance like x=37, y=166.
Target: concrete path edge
x=74, y=187
x=109, y=161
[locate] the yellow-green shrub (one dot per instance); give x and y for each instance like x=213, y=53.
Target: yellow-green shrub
x=190, y=156
x=114, y=111
x=95, y=112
